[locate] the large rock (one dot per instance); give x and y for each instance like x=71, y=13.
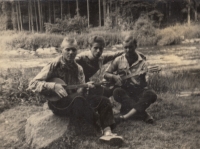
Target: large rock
x=12, y=124
x=46, y=51
x=44, y=128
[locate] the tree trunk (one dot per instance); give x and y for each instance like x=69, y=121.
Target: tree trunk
x=195, y=11
x=169, y=9
x=99, y=12
x=14, y=16
x=77, y=8
x=49, y=11
x=104, y=11
x=31, y=14
x=68, y=8
x=17, y=11
x=88, y=13
x=107, y=6
x=54, y=12
x=29, y=18
x=39, y=15
x=116, y=17
x=20, y=16
x=36, y=20
x=42, y=18
x=61, y=9
x=188, y=13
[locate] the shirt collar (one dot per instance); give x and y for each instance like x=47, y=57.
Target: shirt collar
x=139, y=59
x=65, y=63
x=90, y=56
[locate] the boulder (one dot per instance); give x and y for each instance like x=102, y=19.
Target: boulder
x=44, y=128
x=12, y=124
x=191, y=41
x=46, y=51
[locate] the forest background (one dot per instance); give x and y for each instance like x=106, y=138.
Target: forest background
x=154, y=22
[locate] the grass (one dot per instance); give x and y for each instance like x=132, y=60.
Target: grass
x=176, y=127
x=33, y=41
x=177, y=118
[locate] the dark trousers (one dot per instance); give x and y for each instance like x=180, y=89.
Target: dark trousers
x=80, y=107
x=139, y=100
x=101, y=91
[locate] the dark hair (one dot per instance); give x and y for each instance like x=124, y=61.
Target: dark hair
x=96, y=39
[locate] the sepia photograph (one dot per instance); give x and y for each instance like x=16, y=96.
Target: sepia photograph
x=99, y=74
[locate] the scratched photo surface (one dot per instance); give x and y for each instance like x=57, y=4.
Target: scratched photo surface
x=31, y=36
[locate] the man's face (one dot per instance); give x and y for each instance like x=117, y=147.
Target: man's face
x=129, y=48
x=69, y=53
x=97, y=50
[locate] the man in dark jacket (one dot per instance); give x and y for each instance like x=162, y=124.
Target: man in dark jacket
x=93, y=60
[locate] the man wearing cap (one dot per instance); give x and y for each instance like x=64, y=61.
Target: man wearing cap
x=93, y=60
x=133, y=93
x=64, y=67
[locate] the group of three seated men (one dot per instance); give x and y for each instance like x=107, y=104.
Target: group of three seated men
x=73, y=69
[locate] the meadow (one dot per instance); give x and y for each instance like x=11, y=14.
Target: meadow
x=176, y=124
x=177, y=117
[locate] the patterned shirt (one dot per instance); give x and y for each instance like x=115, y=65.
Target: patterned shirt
x=121, y=66
x=90, y=65
x=70, y=73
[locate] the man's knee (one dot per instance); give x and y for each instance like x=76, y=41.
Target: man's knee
x=79, y=101
x=118, y=94
x=150, y=96
x=105, y=101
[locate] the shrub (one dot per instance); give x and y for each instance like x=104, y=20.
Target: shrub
x=174, y=82
x=32, y=41
x=14, y=84
x=77, y=24
x=188, y=32
x=145, y=32
x=168, y=36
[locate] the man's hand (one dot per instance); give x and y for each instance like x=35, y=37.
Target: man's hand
x=117, y=79
x=60, y=91
x=91, y=84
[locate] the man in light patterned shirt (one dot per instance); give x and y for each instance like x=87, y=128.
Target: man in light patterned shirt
x=133, y=93
x=65, y=68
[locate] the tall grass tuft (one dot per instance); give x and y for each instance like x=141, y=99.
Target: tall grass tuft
x=145, y=32
x=174, y=82
x=13, y=87
x=168, y=36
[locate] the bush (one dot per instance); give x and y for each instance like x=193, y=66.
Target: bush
x=13, y=90
x=173, y=34
x=77, y=24
x=145, y=32
x=188, y=32
x=168, y=36
x=33, y=41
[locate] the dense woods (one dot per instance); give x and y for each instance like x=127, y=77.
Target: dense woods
x=41, y=15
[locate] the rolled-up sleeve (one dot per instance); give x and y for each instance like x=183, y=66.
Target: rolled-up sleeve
x=39, y=84
x=81, y=76
x=111, y=69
